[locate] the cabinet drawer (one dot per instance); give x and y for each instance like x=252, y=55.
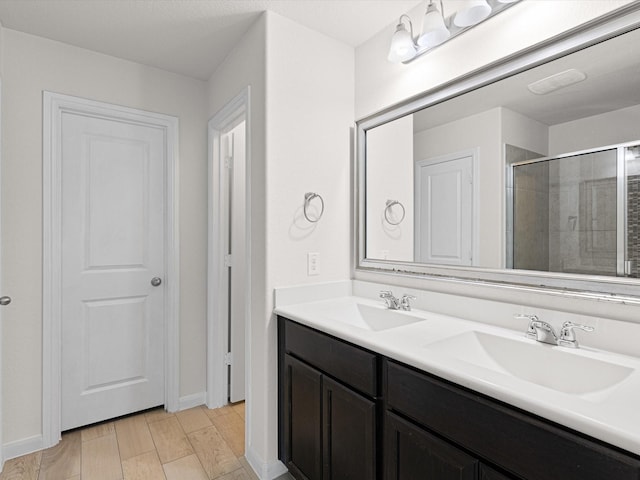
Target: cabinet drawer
x=351, y=365
x=519, y=443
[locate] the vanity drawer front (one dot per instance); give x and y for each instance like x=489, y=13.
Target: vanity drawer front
x=350, y=364
x=522, y=444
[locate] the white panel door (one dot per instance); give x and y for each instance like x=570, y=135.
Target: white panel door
x=444, y=229
x=112, y=247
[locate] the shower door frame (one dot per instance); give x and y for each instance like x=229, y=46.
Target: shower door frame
x=621, y=200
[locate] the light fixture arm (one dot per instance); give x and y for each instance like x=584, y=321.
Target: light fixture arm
x=444, y=18
x=404, y=15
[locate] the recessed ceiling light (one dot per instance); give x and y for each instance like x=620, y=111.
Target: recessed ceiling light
x=557, y=81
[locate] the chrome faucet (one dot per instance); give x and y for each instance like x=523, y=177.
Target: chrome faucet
x=390, y=301
x=543, y=332
x=394, y=303
x=539, y=330
x=568, y=336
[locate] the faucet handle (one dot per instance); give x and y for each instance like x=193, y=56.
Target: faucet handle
x=386, y=293
x=533, y=319
x=568, y=336
x=405, y=302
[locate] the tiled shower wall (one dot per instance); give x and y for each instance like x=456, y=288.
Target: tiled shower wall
x=633, y=223
x=566, y=213
x=565, y=217
x=531, y=201
x=583, y=214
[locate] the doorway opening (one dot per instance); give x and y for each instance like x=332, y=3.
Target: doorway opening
x=229, y=254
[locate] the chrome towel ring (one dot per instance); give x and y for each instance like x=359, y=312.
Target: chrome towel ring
x=387, y=209
x=307, y=203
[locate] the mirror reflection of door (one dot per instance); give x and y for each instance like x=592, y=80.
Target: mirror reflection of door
x=443, y=209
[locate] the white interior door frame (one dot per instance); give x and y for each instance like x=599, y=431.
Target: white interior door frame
x=217, y=318
x=1, y=286
x=54, y=105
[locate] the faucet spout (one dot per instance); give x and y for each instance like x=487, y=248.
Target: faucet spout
x=390, y=300
x=539, y=330
x=544, y=333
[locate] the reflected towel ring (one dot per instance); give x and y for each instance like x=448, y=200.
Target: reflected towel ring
x=387, y=209
x=307, y=201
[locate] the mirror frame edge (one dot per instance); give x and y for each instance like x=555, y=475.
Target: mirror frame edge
x=610, y=289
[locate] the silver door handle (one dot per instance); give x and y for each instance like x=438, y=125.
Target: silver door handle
x=156, y=281
x=5, y=300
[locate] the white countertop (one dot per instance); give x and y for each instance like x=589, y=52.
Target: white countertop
x=611, y=414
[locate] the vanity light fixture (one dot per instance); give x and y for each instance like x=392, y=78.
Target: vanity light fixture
x=403, y=47
x=437, y=28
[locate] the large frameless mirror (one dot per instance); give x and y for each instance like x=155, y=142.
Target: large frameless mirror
x=525, y=172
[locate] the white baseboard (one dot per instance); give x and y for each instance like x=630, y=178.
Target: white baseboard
x=22, y=447
x=193, y=400
x=264, y=470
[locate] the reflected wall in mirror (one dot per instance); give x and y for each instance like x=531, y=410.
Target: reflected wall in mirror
x=453, y=166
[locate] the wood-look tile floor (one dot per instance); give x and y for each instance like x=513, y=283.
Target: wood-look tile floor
x=195, y=444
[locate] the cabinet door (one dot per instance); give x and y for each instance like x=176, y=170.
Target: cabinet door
x=488, y=473
x=412, y=453
x=349, y=427
x=302, y=420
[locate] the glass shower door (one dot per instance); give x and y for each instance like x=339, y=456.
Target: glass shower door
x=578, y=213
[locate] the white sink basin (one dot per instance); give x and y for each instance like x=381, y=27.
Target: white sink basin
x=368, y=317
x=551, y=367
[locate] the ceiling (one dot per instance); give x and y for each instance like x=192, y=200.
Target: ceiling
x=189, y=37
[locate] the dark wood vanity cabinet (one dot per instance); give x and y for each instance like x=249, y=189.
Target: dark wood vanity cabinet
x=513, y=441
x=328, y=390
x=346, y=413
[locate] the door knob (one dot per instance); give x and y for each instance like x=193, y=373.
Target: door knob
x=5, y=300
x=156, y=281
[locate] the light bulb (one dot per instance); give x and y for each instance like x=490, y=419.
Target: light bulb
x=402, y=46
x=473, y=12
x=434, y=31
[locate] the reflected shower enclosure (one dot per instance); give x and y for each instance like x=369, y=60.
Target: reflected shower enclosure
x=576, y=213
